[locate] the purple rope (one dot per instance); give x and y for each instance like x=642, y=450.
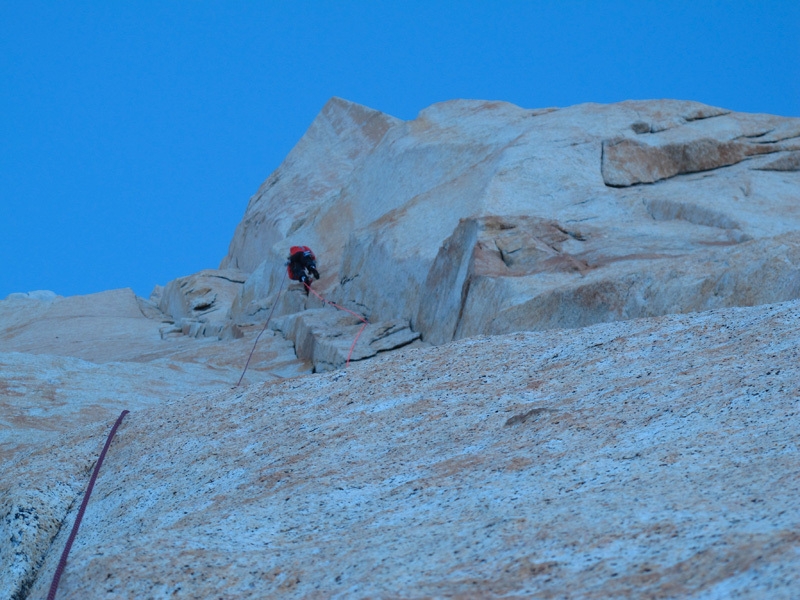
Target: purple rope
x=62, y=563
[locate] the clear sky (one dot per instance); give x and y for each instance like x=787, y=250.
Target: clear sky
x=134, y=132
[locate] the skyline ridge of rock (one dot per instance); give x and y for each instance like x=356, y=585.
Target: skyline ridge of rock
x=621, y=188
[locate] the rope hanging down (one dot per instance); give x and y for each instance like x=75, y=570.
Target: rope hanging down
x=62, y=563
x=324, y=301
x=359, y=317
x=263, y=329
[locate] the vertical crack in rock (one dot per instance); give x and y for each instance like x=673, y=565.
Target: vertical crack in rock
x=463, y=303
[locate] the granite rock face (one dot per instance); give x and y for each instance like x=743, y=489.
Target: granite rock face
x=609, y=407
x=338, y=142
x=498, y=275
x=329, y=338
x=645, y=458
x=523, y=208
x=200, y=304
x=109, y=326
x=75, y=363
x=65, y=362
x=690, y=143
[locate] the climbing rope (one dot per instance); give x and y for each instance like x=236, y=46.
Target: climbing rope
x=359, y=317
x=263, y=329
x=324, y=301
x=62, y=563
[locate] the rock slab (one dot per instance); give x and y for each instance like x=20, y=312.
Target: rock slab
x=67, y=362
x=646, y=458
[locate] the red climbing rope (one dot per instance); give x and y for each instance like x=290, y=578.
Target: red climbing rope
x=359, y=317
x=324, y=301
x=263, y=329
x=62, y=563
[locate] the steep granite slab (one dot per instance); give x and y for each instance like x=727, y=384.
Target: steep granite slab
x=103, y=327
x=66, y=362
x=652, y=458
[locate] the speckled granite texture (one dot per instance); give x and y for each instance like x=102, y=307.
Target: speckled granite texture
x=654, y=458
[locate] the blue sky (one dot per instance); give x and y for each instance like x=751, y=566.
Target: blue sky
x=133, y=133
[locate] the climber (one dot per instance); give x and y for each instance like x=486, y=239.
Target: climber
x=302, y=259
